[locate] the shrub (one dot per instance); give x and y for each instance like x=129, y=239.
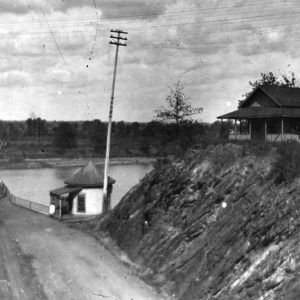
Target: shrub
x=223, y=156
x=287, y=165
x=161, y=162
x=257, y=148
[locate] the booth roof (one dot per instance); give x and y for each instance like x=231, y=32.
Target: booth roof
x=64, y=190
x=88, y=176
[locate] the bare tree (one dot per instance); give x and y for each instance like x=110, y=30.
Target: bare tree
x=177, y=109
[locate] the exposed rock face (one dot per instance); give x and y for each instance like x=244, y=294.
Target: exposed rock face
x=213, y=227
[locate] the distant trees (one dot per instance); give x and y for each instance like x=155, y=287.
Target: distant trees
x=270, y=79
x=36, y=127
x=135, y=128
x=121, y=128
x=10, y=130
x=95, y=132
x=177, y=109
x=89, y=137
x=65, y=136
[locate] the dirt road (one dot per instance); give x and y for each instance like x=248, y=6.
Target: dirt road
x=41, y=258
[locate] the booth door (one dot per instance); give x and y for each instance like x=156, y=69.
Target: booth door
x=258, y=129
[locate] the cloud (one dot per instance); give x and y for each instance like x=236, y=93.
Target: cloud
x=116, y=8
x=14, y=7
x=111, y=9
x=13, y=78
x=214, y=47
x=108, y=8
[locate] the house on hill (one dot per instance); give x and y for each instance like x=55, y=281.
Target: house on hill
x=269, y=113
x=83, y=193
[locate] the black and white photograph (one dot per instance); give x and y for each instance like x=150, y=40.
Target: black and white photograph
x=149, y=150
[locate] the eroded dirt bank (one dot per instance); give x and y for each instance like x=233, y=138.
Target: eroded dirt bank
x=214, y=225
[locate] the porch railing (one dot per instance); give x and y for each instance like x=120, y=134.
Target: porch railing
x=239, y=137
x=270, y=137
x=283, y=138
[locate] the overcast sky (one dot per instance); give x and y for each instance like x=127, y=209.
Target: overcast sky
x=56, y=62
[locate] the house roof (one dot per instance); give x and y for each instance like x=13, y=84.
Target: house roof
x=88, y=176
x=262, y=112
x=281, y=95
x=64, y=190
x=284, y=96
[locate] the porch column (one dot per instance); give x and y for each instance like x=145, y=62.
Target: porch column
x=250, y=128
x=240, y=126
x=266, y=130
x=282, y=129
x=235, y=126
x=60, y=208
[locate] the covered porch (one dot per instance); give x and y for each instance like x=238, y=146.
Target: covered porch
x=265, y=129
x=62, y=199
x=267, y=124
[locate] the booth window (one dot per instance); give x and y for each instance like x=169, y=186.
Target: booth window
x=81, y=203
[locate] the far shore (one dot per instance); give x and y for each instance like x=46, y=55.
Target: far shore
x=39, y=163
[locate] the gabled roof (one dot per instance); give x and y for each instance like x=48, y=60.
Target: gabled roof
x=262, y=112
x=88, y=176
x=281, y=95
x=285, y=96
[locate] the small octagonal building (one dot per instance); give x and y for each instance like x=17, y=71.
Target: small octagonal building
x=83, y=193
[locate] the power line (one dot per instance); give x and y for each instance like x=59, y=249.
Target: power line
x=192, y=29
x=96, y=29
x=57, y=46
x=260, y=3
x=218, y=43
x=265, y=18
x=195, y=26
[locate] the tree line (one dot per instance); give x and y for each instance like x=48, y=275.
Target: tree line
x=173, y=130
x=128, y=138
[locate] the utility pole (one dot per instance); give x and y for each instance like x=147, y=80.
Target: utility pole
x=115, y=41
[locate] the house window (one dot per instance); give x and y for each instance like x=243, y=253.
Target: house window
x=81, y=203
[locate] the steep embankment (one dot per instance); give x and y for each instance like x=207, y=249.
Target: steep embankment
x=214, y=226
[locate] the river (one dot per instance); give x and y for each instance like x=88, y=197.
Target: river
x=35, y=184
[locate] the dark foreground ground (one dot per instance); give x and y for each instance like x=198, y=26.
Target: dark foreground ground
x=42, y=258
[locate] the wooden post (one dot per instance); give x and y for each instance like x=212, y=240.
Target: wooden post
x=282, y=129
x=60, y=207
x=240, y=126
x=235, y=128
x=250, y=128
x=266, y=130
